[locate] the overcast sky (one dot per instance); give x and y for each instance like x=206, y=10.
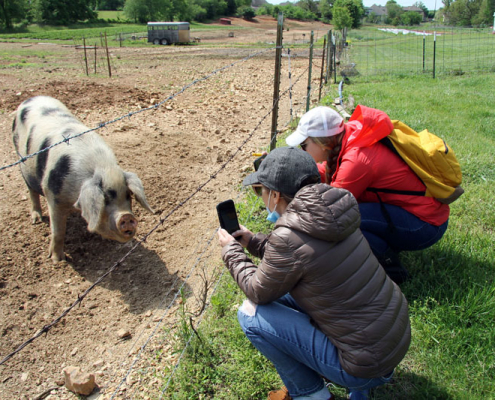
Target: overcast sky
x=430, y=4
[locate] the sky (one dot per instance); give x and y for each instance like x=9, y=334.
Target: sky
x=430, y=4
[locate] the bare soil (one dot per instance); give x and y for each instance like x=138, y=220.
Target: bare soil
x=174, y=149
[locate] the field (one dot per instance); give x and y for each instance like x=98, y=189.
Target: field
x=174, y=149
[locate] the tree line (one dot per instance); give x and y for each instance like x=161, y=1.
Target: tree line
x=62, y=12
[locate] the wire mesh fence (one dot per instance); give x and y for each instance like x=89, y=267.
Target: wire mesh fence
x=444, y=51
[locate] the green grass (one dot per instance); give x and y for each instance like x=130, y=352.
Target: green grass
x=452, y=291
x=112, y=15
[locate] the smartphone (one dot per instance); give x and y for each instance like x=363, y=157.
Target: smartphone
x=228, y=216
x=257, y=162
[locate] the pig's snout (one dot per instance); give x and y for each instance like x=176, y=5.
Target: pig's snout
x=127, y=226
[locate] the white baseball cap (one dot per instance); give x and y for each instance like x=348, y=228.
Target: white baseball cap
x=317, y=122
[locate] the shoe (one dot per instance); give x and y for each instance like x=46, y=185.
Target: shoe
x=393, y=267
x=281, y=394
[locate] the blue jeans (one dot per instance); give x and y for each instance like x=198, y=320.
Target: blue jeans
x=301, y=353
x=409, y=233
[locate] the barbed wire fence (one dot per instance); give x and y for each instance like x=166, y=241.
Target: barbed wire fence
x=162, y=220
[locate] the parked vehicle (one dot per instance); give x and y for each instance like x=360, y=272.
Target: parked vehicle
x=168, y=32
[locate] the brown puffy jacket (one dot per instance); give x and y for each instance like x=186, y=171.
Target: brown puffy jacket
x=318, y=254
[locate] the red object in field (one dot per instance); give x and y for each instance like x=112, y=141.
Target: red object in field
x=225, y=21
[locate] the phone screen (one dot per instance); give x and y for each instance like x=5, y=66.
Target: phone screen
x=228, y=216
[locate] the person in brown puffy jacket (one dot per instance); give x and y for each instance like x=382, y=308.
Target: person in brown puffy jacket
x=319, y=304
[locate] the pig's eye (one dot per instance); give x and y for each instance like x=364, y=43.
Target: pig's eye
x=109, y=196
x=128, y=195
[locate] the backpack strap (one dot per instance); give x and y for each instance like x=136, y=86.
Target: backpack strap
x=391, y=226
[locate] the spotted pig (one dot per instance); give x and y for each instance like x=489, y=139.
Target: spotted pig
x=82, y=173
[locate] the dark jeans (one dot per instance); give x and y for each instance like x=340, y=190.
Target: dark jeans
x=408, y=233
x=300, y=352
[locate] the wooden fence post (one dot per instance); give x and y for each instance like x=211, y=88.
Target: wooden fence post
x=108, y=57
x=85, y=55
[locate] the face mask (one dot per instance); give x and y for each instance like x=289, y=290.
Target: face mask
x=273, y=216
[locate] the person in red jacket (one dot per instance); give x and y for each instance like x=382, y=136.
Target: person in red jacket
x=351, y=156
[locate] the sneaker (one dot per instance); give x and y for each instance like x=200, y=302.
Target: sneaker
x=283, y=394
x=393, y=267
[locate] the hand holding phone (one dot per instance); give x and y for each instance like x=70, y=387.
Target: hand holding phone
x=227, y=216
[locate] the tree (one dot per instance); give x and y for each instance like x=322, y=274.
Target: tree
x=393, y=10
x=341, y=18
x=308, y=5
x=11, y=10
x=111, y=4
x=355, y=8
x=462, y=12
x=410, y=18
x=325, y=8
x=247, y=13
x=485, y=13
x=136, y=10
x=61, y=12
x=421, y=5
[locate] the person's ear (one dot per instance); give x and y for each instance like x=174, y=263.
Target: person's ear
x=276, y=196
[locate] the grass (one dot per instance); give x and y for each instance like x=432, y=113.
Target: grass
x=451, y=295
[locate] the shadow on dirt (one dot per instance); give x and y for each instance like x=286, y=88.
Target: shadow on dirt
x=142, y=280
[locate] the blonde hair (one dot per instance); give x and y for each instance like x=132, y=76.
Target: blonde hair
x=332, y=145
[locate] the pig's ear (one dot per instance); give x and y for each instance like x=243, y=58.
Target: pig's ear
x=91, y=202
x=136, y=187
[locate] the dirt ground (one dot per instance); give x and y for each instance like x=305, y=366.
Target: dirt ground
x=174, y=149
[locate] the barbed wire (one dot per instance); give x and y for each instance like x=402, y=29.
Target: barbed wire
x=138, y=356
x=172, y=287
x=132, y=113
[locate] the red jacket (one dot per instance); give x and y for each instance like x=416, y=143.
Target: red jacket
x=364, y=162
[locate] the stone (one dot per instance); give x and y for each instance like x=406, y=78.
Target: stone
x=123, y=334
x=78, y=381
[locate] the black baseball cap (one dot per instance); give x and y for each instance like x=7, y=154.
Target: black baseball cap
x=286, y=170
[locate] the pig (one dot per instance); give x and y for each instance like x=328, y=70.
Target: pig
x=81, y=173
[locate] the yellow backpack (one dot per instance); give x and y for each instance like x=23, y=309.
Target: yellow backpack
x=431, y=158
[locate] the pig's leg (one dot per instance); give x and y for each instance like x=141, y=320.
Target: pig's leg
x=58, y=223
x=35, y=207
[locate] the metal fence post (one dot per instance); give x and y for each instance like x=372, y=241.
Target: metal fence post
x=276, y=84
x=322, y=65
x=434, y=51
x=308, y=98
x=424, y=47
x=328, y=56
x=334, y=45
